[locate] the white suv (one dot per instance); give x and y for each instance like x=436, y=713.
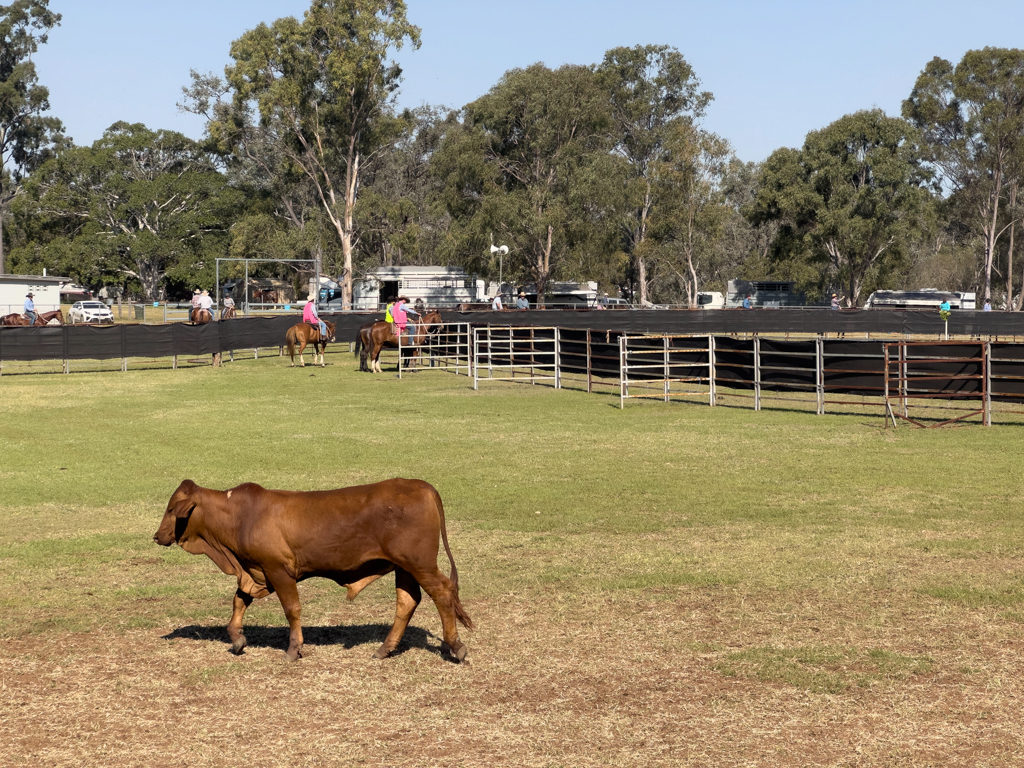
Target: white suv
x=90, y=312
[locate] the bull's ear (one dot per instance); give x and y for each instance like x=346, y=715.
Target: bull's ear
x=183, y=508
x=186, y=501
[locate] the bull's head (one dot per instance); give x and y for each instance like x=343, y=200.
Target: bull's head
x=179, y=508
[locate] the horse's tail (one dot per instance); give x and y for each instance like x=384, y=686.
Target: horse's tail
x=359, y=343
x=290, y=339
x=460, y=612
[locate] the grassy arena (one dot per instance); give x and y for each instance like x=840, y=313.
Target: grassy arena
x=664, y=585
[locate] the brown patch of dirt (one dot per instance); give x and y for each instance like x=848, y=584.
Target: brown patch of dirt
x=612, y=681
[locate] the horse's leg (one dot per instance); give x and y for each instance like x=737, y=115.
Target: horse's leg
x=302, y=346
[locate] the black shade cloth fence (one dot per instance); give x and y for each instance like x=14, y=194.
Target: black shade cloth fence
x=849, y=366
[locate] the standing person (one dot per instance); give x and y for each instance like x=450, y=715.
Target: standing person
x=309, y=315
x=522, y=302
x=496, y=303
x=835, y=302
x=747, y=303
x=944, y=306
x=401, y=310
x=988, y=306
x=30, y=308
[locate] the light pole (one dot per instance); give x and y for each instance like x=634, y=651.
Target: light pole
x=501, y=250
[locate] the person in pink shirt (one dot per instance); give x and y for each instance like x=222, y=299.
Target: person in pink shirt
x=400, y=311
x=309, y=315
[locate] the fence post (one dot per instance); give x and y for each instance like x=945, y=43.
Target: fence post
x=399, y=334
x=623, y=373
x=819, y=373
x=67, y=367
x=476, y=362
x=558, y=358
x=124, y=350
x=986, y=354
x=757, y=372
x=711, y=371
x=664, y=340
x=590, y=373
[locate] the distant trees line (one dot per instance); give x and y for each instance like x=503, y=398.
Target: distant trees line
x=596, y=171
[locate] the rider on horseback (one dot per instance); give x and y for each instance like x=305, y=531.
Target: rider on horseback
x=205, y=302
x=400, y=312
x=309, y=315
x=30, y=308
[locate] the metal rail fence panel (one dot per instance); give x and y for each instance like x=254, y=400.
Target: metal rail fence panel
x=919, y=374
x=664, y=367
x=507, y=353
x=448, y=349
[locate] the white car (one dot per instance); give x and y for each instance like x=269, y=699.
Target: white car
x=90, y=312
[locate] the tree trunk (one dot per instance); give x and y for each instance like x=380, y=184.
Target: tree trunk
x=3, y=266
x=641, y=278
x=1009, y=252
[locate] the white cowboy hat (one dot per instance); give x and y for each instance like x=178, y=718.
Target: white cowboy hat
x=310, y=297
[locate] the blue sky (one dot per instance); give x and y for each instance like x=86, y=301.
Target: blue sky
x=777, y=69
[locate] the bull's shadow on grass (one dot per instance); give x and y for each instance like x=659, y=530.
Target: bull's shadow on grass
x=349, y=636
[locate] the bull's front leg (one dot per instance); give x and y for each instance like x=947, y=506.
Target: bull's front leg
x=288, y=591
x=242, y=601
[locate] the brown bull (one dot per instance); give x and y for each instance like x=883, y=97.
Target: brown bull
x=271, y=540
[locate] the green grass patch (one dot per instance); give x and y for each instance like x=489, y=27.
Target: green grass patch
x=822, y=669
x=546, y=491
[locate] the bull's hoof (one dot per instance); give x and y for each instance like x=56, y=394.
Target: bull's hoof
x=239, y=645
x=459, y=653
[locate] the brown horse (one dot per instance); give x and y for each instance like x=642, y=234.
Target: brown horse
x=227, y=313
x=303, y=334
x=373, y=337
x=200, y=316
x=42, y=318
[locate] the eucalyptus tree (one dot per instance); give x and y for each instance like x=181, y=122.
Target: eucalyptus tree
x=972, y=118
x=26, y=132
x=148, y=206
x=693, y=210
x=849, y=201
x=312, y=102
x=526, y=169
x=653, y=94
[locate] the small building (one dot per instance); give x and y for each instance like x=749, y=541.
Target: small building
x=45, y=287
x=764, y=293
x=436, y=286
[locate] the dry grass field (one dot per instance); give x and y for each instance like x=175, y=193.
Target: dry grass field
x=667, y=585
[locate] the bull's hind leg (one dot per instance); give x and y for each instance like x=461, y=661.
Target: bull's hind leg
x=442, y=592
x=242, y=601
x=408, y=598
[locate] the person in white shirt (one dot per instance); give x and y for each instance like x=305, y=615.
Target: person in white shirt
x=496, y=304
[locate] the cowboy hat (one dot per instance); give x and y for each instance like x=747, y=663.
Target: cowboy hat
x=402, y=298
x=196, y=291
x=522, y=294
x=30, y=295
x=310, y=297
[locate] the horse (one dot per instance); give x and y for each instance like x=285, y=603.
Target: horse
x=373, y=337
x=303, y=334
x=42, y=318
x=227, y=313
x=200, y=316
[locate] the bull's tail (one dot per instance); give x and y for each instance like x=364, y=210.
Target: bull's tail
x=290, y=338
x=460, y=612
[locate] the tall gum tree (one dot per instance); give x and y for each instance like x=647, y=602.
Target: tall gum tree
x=849, y=200
x=653, y=94
x=26, y=132
x=972, y=118
x=521, y=167
x=316, y=98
